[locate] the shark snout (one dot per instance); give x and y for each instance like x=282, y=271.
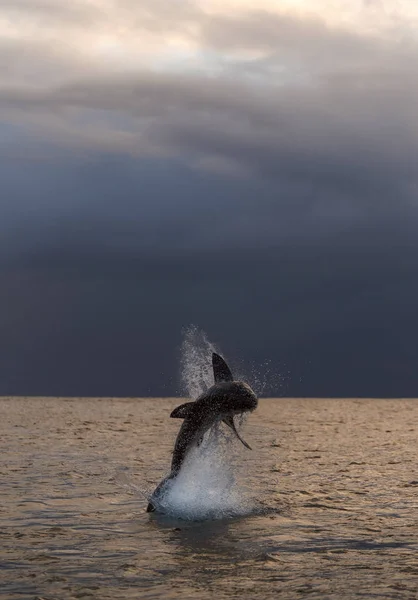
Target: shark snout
x=246, y=405
x=253, y=404
x=245, y=398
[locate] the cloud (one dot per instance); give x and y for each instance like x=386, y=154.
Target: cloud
x=35, y=11
x=338, y=313
x=319, y=102
x=246, y=168
x=322, y=114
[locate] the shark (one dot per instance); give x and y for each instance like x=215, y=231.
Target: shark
x=224, y=400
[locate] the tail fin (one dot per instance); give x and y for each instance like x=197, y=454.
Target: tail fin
x=221, y=371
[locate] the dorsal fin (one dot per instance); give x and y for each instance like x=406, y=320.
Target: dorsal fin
x=183, y=411
x=221, y=371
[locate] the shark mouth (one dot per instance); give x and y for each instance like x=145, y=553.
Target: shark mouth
x=231, y=424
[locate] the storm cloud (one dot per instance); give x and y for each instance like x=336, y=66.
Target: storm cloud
x=250, y=170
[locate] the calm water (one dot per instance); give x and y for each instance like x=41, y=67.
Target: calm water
x=333, y=485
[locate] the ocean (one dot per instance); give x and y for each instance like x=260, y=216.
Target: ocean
x=324, y=506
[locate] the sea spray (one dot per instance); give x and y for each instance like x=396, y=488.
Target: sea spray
x=208, y=485
x=212, y=481
x=196, y=362
x=197, y=374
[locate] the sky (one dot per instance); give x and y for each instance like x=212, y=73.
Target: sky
x=246, y=166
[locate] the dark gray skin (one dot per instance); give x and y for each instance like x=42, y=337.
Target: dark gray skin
x=221, y=402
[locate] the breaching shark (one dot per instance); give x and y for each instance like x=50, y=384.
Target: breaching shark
x=221, y=402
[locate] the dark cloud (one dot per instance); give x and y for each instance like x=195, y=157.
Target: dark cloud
x=269, y=197
x=97, y=291
x=340, y=316
x=351, y=122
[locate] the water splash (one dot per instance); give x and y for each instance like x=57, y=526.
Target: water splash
x=209, y=485
x=268, y=379
x=196, y=362
x=197, y=374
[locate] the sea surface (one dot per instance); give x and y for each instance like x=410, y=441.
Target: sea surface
x=325, y=505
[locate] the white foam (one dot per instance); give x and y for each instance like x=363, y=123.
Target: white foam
x=209, y=485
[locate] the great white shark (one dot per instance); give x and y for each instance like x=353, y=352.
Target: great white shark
x=220, y=403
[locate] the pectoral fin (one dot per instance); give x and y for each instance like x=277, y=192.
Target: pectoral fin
x=230, y=422
x=183, y=411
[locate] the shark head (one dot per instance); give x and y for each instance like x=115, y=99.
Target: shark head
x=235, y=396
x=221, y=402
